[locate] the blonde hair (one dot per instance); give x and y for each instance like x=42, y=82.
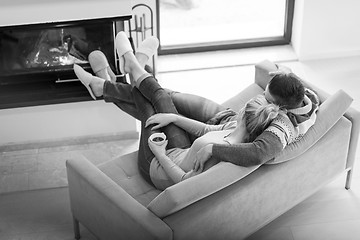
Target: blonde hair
x=258, y=113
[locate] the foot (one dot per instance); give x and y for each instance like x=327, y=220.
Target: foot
x=123, y=47
x=127, y=60
x=100, y=65
x=146, y=50
x=149, y=69
x=132, y=66
x=93, y=84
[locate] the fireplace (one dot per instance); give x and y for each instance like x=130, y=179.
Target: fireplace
x=37, y=55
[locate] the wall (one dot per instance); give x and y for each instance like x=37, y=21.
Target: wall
x=64, y=121
x=326, y=28
x=21, y=12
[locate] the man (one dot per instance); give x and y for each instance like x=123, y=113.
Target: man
x=301, y=104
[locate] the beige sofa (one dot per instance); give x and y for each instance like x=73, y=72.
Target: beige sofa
x=113, y=201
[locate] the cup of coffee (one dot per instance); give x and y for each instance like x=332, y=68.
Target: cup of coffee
x=158, y=138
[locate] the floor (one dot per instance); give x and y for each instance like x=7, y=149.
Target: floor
x=42, y=168
x=34, y=200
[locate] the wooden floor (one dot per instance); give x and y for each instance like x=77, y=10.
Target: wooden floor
x=42, y=212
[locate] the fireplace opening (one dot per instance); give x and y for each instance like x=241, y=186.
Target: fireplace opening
x=51, y=50
x=36, y=61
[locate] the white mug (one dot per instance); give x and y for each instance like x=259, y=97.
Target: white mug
x=158, y=138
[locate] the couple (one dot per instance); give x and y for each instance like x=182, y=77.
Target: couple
x=266, y=128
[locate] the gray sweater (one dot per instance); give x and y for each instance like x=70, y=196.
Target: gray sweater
x=261, y=150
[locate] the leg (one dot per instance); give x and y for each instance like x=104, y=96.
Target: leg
x=153, y=91
x=155, y=94
x=189, y=105
x=176, y=136
x=145, y=156
x=76, y=228
x=194, y=106
x=162, y=103
x=98, y=87
x=348, y=179
x=120, y=94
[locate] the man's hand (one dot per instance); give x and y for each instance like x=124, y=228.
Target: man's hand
x=281, y=70
x=202, y=156
x=160, y=120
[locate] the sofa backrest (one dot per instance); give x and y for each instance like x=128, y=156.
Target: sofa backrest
x=185, y=193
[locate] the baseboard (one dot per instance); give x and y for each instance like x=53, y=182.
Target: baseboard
x=329, y=55
x=69, y=141
x=225, y=58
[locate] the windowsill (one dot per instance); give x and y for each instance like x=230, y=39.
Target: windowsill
x=228, y=58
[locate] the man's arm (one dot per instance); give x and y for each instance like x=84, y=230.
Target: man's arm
x=262, y=149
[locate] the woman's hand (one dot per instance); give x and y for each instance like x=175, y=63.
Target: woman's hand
x=160, y=120
x=158, y=150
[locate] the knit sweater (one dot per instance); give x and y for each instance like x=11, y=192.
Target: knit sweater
x=288, y=127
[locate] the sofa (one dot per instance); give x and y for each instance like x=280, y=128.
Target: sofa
x=113, y=201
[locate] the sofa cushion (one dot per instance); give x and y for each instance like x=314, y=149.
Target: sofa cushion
x=124, y=171
x=330, y=111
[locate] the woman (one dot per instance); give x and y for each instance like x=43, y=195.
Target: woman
x=173, y=161
x=174, y=165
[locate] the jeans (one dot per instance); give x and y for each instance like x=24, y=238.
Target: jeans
x=188, y=105
x=151, y=98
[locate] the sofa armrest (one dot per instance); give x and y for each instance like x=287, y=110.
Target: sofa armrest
x=262, y=70
x=106, y=209
x=198, y=187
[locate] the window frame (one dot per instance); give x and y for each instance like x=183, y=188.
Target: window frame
x=234, y=44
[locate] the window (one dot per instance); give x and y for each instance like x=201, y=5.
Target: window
x=202, y=25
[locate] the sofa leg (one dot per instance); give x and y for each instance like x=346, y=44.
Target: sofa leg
x=348, y=179
x=76, y=228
